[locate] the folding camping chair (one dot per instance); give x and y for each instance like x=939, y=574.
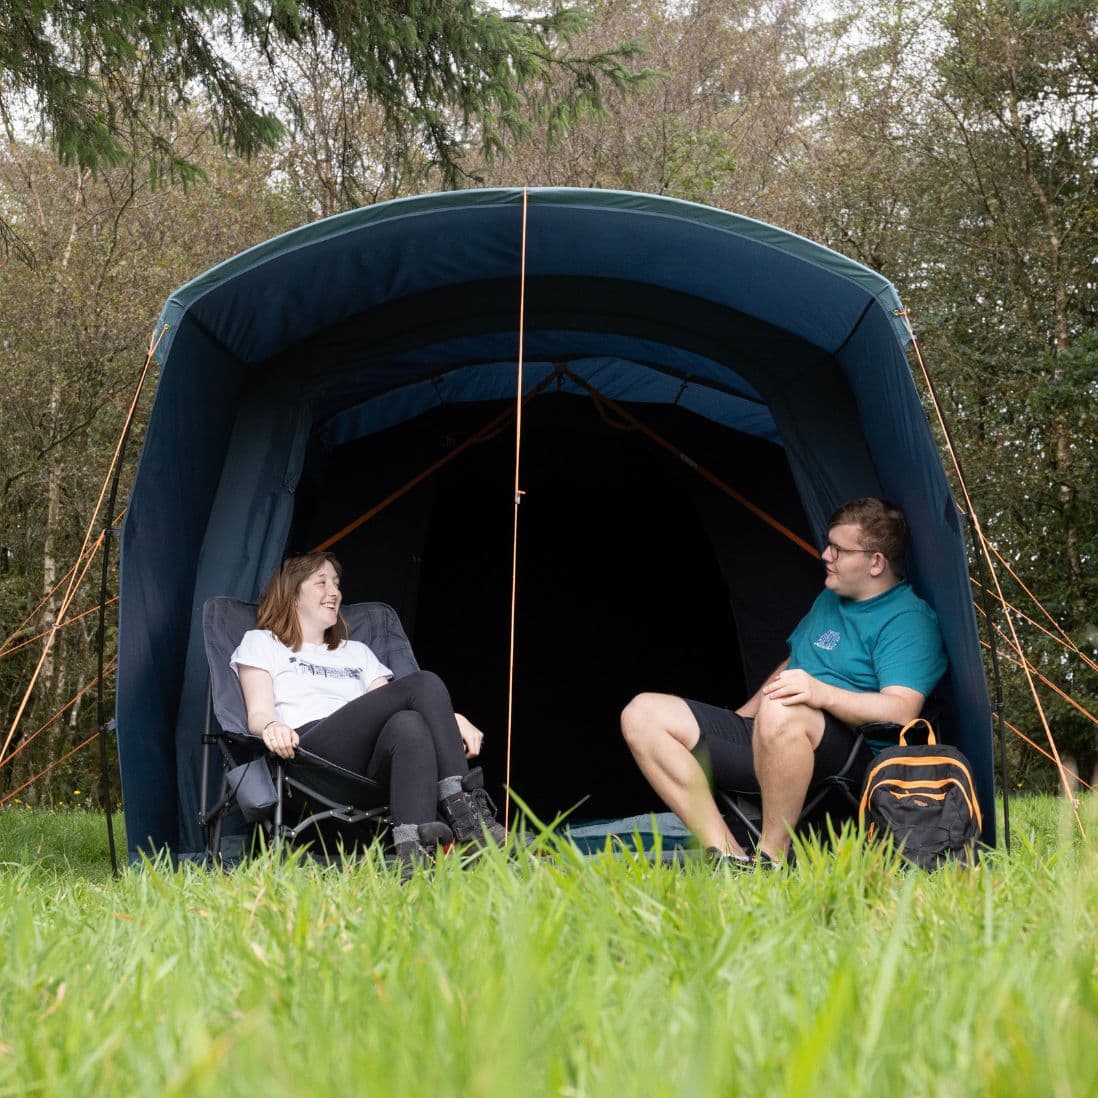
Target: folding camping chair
x=327, y=791
x=742, y=808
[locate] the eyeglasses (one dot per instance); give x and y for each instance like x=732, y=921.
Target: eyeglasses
x=835, y=550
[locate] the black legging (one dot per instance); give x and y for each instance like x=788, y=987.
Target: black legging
x=402, y=735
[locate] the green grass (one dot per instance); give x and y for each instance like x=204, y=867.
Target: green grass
x=564, y=976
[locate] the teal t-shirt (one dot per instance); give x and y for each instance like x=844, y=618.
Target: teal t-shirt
x=892, y=639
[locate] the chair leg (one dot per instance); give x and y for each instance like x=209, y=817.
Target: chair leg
x=839, y=782
x=280, y=789
x=816, y=796
x=730, y=802
x=213, y=844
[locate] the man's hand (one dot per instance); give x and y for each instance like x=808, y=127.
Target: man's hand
x=797, y=687
x=893, y=703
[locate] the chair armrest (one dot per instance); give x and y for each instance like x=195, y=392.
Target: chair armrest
x=879, y=730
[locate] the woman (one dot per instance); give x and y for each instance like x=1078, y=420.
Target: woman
x=305, y=683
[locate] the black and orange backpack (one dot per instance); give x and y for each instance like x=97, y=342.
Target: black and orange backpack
x=923, y=797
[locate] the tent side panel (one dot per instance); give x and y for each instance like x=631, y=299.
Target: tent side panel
x=165, y=523
x=249, y=520
x=911, y=473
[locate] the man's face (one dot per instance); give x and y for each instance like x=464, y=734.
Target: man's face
x=851, y=568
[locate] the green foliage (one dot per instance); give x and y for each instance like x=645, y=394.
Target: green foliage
x=1009, y=140
x=108, y=74
x=76, y=327
x=557, y=975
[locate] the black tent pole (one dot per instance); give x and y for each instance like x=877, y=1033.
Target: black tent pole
x=106, y=726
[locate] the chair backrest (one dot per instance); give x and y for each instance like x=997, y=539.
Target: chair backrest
x=226, y=620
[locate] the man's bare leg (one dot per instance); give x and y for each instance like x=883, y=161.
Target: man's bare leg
x=661, y=732
x=785, y=740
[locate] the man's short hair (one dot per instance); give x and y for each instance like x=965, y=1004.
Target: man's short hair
x=884, y=528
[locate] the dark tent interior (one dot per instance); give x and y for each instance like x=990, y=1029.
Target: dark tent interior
x=633, y=574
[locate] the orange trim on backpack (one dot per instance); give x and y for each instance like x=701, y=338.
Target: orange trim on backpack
x=913, y=793
x=912, y=787
x=922, y=787
x=920, y=760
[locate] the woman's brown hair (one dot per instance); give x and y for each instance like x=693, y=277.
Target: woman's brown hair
x=277, y=606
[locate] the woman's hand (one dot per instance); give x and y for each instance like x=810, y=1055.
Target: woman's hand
x=280, y=739
x=259, y=701
x=471, y=736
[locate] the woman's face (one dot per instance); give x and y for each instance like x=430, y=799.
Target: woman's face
x=318, y=599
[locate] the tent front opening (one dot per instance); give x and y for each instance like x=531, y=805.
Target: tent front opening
x=634, y=574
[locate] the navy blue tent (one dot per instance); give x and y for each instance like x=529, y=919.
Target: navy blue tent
x=306, y=380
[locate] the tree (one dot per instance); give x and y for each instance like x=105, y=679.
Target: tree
x=105, y=75
x=109, y=250
x=338, y=152
x=714, y=126
x=961, y=160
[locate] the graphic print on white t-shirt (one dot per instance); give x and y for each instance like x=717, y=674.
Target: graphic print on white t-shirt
x=304, y=667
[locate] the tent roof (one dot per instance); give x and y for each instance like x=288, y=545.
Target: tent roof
x=263, y=300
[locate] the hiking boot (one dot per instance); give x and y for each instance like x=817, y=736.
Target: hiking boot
x=722, y=861
x=422, y=849
x=768, y=864
x=471, y=813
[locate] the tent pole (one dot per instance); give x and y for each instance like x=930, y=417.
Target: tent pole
x=486, y=432
x=110, y=530
x=518, y=494
x=1000, y=709
x=690, y=463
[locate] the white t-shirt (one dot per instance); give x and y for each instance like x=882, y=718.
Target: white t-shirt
x=314, y=682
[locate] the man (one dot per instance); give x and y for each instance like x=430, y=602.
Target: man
x=868, y=650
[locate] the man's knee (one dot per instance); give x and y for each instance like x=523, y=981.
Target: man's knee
x=778, y=725
x=650, y=720
x=640, y=720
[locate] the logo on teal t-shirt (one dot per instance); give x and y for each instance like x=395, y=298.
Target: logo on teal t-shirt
x=828, y=640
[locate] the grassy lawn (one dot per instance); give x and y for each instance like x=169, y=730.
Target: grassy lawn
x=569, y=976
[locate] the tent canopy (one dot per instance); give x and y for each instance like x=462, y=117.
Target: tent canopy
x=305, y=380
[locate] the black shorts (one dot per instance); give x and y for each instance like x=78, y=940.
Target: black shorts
x=724, y=748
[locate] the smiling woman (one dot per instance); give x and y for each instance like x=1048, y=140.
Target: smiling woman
x=305, y=683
